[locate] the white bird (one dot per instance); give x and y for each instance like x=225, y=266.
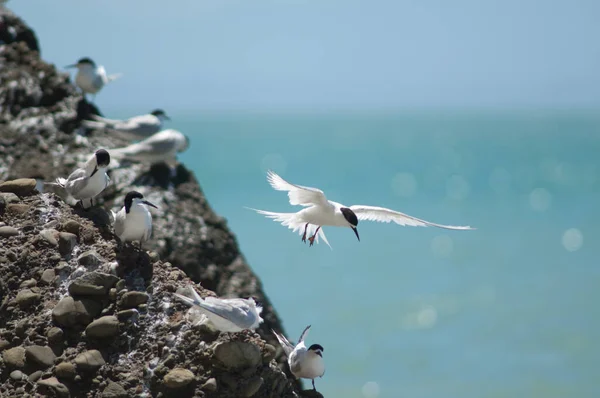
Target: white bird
x=160, y=147
x=137, y=127
x=319, y=212
x=227, y=315
x=91, y=78
x=134, y=221
x=87, y=182
x=306, y=363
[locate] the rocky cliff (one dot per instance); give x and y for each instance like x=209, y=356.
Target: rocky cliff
x=78, y=315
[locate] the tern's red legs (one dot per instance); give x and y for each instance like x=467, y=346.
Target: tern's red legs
x=312, y=238
x=304, y=235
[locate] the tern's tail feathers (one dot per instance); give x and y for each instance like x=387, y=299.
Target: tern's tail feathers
x=99, y=118
x=61, y=182
x=114, y=76
x=292, y=221
x=284, y=343
x=186, y=299
x=194, y=300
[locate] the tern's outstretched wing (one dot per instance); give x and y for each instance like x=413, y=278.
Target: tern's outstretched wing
x=285, y=344
x=304, y=334
x=380, y=214
x=299, y=195
x=76, y=182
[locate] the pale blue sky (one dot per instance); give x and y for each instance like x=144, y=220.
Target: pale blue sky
x=329, y=54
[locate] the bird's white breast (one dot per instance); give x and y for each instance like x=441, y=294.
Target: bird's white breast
x=138, y=224
x=88, y=80
x=94, y=185
x=308, y=366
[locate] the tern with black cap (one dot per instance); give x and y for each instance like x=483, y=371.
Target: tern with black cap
x=160, y=147
x=226, y=315
x=87, y=182
x=305, y=363
x=319, y=212
x=134, y=128
x=134, y=221
x=91, y=78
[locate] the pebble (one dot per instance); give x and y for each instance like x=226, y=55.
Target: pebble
x=20, y=186
x=106, y=326
x=252, y=386
x=72, y=227
x=17, y=208
x=238, y=354
x=35, y=375
x=92, y=284
x=114, y=390
x=269, y=353
x=7, y=231
x=133, y=299
x=9, y=197
x=59, y=389
x=65, y=371
x=28, y=283
x=89, y=360
x=50, y=235
x=178, y=378
x=40, y=355
x=55, y=335
x=70, y=312
x=48, y=276
x=66, y=243
x=26, y=298
x=89, y=259
x=17, y=375
x=127, y=315
x=210, y=385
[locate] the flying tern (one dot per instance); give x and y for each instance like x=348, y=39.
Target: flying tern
x=306, y=363
x=91, y=78
x=227, y=315
x=134, y=221
x=319, y=212
x=137, y=127
x=87, y=182
x=160, y=147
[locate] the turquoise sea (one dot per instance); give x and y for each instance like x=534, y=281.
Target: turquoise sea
x=508, y=310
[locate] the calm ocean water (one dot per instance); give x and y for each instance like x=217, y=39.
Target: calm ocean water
x=508, y=310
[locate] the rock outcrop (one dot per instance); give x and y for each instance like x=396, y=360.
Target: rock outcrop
x=81, y=316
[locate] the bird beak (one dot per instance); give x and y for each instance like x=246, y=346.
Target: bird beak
x=356, y=232
x=94, y=172
x=166, y=117
x=71, y=66
x=149, y=204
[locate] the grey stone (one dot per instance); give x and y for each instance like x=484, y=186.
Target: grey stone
x=72, y=226
x=210, y=385
x=238, y=354
x=92, y=284
x=89, y=360
x=50, y=235
x=35, y=376
x=7, y=232
x=128, y=315
x=14, y=357
x=65, y=371
x=28, y=283
x=107, y=326
x=9, y=197
x=133, y=299
x=26, y=298
x=17, y=375
x=20, y=186
x=66, y=243
x=55, y=335
x=252, y=386
x=89, y=259
x=178, y=378
x=48, y=276
x=70, y=312
x=53, y=384
x=40, y=355
x=114, y=390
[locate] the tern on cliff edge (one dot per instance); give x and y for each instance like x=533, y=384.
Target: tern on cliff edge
x=319, y=212
x=87, y=182
x=137, y=127
x=134, y=221
x=91, y=78
x=160, y=147
x=306, y=363
x=227, y=315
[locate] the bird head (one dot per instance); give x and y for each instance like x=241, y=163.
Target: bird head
x=159, y=113
x=82, y=63
x=350, y=216
x=134, y=197
x=316, y=349
x=100, y=160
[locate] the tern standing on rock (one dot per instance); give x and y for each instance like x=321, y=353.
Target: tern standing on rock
x=87, y=182
x=322, y=212
x=137, y=127
x=227, y=315
x=306, y=363
x=160, y=147
x=91, y=78
x=134, y=221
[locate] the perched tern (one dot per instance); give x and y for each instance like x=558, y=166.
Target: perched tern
x=85, y=183
x=227, y=315
x=91, y=78
x=160, y=147
x=319, y=212
x=137, y=127
x=306, y=363
x=134, y=221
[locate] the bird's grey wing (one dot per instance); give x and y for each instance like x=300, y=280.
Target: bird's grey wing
x=105, y=120
x=77, y=181
x=284, y=343
x=299, y=195
x=228, y=311
x=119, y=225
x=380, y=214
x=304, y=334
x=157, y=145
